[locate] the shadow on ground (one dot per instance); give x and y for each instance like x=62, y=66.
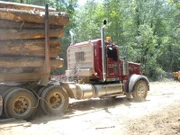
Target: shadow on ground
x=83, y=107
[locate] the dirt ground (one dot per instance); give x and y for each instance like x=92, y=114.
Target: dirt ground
x=158, y=115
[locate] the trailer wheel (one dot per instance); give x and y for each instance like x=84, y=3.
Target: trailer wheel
x=20, y=103
x=55, y=100
x=140, y=90
x=43, y=88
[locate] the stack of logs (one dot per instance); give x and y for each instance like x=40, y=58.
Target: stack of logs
x=22, y=37
x=176, y=75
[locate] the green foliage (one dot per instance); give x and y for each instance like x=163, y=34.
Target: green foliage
x=88, y=21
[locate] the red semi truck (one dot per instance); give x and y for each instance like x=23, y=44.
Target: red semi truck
x=94, y=70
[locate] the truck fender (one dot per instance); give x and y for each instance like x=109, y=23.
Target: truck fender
x=134, y=79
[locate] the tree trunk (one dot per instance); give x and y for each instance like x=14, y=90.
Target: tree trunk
x=8, y=34
x=55, y=18
x=28, y=62
x=16, y=70
x=6, y=24
x=29, y=47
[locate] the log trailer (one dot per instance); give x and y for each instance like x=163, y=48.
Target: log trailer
x=94, y=70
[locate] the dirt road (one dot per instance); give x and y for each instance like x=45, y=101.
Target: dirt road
x=158, y=115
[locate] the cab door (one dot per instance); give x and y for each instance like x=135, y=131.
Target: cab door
x=112, y=63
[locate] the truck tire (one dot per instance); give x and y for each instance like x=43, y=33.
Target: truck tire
x=54, y=100
x=43, y=88
x=20, y=103
x=140, y=90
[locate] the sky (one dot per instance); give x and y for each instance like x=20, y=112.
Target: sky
x=82, y=2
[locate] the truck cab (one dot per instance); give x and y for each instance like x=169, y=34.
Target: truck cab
x=95, y=69
x=84, y=61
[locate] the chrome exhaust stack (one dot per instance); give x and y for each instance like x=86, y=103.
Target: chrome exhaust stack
x=125, y=63
x=72, y=37
x=103, y=50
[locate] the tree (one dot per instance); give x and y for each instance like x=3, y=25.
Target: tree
x=170, y=59
x=67, y=6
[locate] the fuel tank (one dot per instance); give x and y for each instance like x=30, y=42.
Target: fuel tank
x=87, y=91
x=108, y=89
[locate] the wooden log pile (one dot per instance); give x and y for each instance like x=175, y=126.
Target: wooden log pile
x=176, y=75
x=22, y=37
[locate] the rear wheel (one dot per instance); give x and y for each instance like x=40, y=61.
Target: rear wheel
x=20, y=103
x=140, y=90
x=55, y=100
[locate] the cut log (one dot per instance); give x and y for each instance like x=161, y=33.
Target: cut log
x=29, y=47
x=13, y=5
x=55, y=18
x=8, y=34
x=26, y=77
x=6, y=24
x=16, y=70
x=24, y=62
x=57, y=63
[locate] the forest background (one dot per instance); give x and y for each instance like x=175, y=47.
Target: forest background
x=150, y=29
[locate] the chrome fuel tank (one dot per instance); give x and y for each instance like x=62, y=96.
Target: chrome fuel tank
x=85, y=91
x=108, y=89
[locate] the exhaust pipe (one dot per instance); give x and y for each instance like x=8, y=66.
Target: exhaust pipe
x=72, y=37
x=103, y=50
x=125, y=63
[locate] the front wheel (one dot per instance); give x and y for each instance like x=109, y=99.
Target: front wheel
x=140, y=90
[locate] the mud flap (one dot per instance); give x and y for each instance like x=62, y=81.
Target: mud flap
x=1, y=105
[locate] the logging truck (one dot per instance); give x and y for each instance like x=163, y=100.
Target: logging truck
x=94, y=70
